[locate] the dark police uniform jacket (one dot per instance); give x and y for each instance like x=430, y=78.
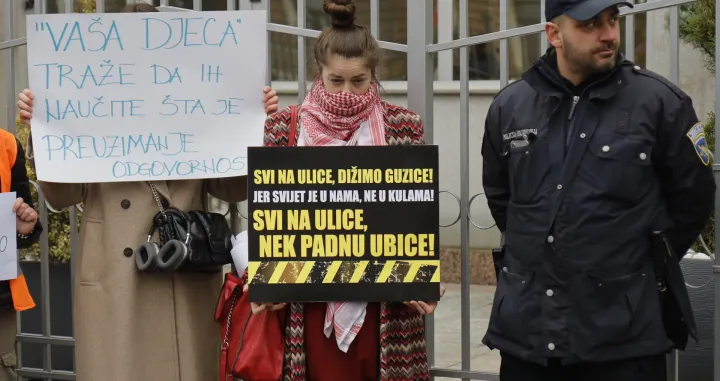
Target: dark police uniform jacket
x=578, y=179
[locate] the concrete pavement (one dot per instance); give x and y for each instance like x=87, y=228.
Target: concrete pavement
x=447, y=330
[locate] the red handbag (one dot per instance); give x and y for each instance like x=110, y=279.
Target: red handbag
x=253, y=346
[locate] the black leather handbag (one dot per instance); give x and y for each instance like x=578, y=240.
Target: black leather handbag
x=194, y=241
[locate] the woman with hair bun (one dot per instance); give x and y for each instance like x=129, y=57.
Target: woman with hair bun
x=384, y=341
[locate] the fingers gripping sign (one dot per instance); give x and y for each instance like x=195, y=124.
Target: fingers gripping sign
x=257, y=308
x=25, y=104
x=425, y=308
x=271, y=100
x=26, y=217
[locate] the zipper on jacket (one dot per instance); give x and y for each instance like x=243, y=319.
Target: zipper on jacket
x=576, y=99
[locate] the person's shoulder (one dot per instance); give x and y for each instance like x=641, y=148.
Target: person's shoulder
x=650, y=82
x=514, y=88
x=396, y=115
x=7, y=136
x=9, y=141
x=513, y=92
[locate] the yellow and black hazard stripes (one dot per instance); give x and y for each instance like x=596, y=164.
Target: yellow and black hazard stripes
x=344, y=272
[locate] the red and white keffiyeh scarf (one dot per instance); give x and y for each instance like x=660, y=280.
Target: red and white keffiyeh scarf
x=342, y=119
x=334, y=119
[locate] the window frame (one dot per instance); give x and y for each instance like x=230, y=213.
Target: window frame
x=444, y=83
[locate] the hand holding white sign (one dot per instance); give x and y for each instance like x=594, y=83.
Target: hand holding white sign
x=139, y=97
x=8, y=236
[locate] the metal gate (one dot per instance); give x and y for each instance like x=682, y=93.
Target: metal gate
x=420, y=49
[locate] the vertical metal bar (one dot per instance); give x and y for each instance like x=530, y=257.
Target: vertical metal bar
x=375, y=18
x=445, y=11
x=9, y=63
x=197, y=5
x=45, y=284
x=73, y=236
x=504, y=61
x=268, y=70
x=716, y=170
x=9, y=57
x=99, y=6
x=543, y=36
x=40, y=7
x=73, y=261
x=465, y=176
x=420, y=97
x=164, y=3
x=302, y=69
x=231, y=5
x=420, y=63
x=630, y=36
x=674, y=45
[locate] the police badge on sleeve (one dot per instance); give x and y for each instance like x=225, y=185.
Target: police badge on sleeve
x=697, y=137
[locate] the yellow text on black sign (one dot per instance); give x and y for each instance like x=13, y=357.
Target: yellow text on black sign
x=351, y=175
x=347, y=245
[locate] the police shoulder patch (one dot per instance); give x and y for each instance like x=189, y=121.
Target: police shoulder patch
x=696, y=134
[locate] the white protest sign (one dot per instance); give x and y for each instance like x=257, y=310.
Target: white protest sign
x=8, y=237
x=146, y=96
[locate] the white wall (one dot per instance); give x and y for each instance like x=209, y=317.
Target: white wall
x=693, y=77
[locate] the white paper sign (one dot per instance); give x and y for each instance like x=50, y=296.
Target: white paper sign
x=8, y=237
x=146, y=96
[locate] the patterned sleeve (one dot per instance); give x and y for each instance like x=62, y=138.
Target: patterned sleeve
x=277, y=129
x=405, y=126
x=418, y=136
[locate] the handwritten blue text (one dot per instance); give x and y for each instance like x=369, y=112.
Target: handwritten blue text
x=66, y=147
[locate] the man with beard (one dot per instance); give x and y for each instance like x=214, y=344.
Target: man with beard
x=598, y=175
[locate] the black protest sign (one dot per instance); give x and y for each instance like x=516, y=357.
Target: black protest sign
x=343, y=223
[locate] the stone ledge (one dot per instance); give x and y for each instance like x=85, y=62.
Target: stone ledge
x=482, y=270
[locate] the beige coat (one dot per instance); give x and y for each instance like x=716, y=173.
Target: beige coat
x=130, y=325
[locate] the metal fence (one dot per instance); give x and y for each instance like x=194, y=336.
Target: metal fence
x=420, y=48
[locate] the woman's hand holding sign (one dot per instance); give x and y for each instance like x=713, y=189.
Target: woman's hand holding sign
x=25, y=103
x=257, y=308
x=271, y=100
x=425, y=308
x=26, y=217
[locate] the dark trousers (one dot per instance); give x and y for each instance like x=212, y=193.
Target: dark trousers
x=651, y=368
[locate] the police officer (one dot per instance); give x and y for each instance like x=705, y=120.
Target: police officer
x=598, y=174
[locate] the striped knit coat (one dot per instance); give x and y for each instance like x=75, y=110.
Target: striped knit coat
x=403, y=354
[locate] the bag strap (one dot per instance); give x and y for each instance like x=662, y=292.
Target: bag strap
x=293, y=125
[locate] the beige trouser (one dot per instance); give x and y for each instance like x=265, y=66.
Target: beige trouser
x=8, y=331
